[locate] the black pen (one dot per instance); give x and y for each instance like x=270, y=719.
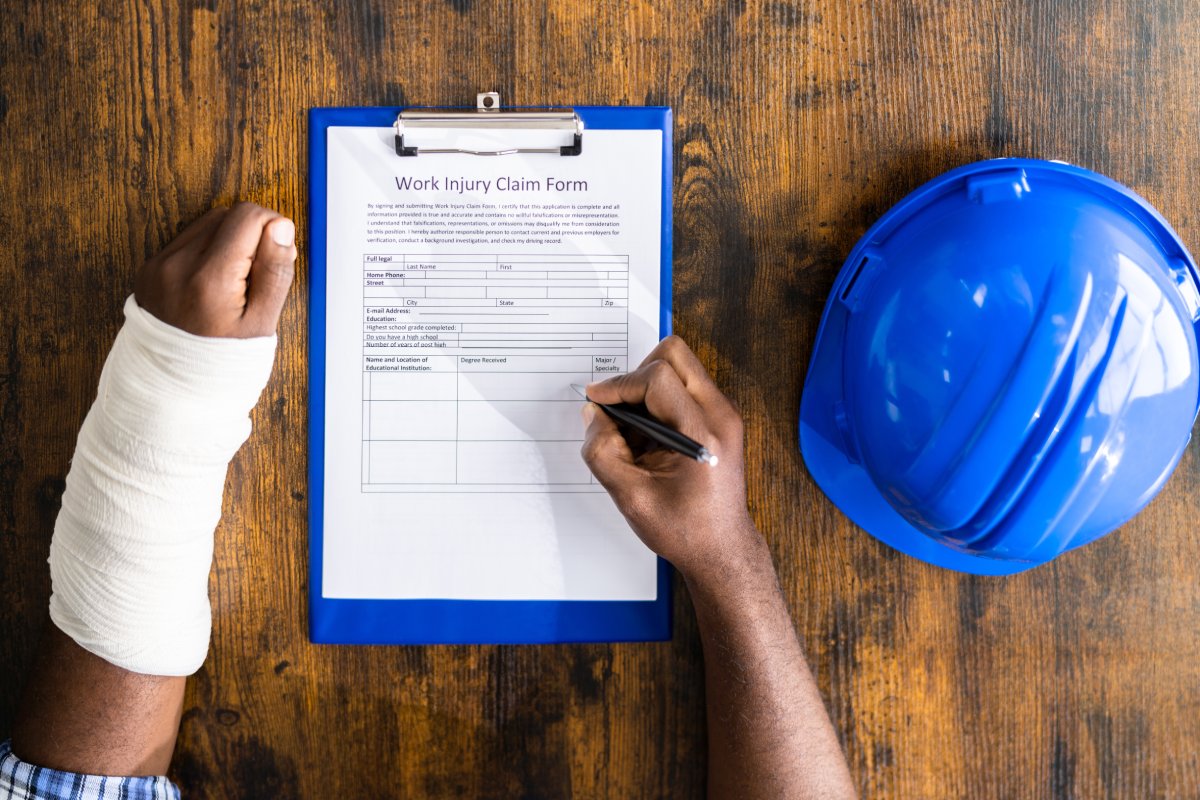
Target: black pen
x=653, y=429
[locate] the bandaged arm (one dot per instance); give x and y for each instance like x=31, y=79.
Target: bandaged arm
x=132, y=547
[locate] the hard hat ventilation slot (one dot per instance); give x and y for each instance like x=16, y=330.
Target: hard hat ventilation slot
x=1062, y=415
x=1188, y=286
x=848, y=292
x=1023, y=467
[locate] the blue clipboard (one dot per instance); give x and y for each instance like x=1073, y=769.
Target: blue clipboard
x=434, y=621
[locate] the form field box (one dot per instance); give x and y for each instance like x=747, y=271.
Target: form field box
x=579, y=275
x=390, y=363
x=551, y=316
x=499, y=386
x=581, y=291
x=450, y=302
x=566, y=302
x=521, y=463
x=456, y=291
x=583, y=281
x=558, y=258
x=545, y=327
x=393, y=291
x=448, y=264
x=586, y=280
x=585, y=266
x=412, y=386
x=520, y=420
x=522, y=275
x=409, y=462
x=586, y=349
x=449, y=279
x=516, y=291
x=606, y=365
x=416, y=420
x=530, y=336
x=526, y=363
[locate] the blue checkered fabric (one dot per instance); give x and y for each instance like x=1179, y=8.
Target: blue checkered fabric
x=20, y=780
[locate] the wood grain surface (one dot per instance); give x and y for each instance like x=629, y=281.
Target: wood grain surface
x=797, y=124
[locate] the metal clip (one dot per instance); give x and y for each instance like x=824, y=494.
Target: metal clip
x=487, y=116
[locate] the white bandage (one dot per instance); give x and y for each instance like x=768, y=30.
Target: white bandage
x=133, y=544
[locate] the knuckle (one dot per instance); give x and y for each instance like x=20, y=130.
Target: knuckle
x=247, y=207
x=205, y=284
x=281, y=270
x=636, y=503
x=657, y=371
x=592, y=449
x=176, y=262
x=621, y=383
x=247, y=213
x=201, y=279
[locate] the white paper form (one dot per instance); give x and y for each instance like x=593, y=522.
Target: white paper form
x=464, y=296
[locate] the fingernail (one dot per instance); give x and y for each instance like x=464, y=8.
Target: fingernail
x=588, y=412
x=283, y=232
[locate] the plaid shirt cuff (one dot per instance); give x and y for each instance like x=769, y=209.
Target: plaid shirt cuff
x=20, y=780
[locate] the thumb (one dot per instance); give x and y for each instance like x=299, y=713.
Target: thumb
x=271, y=275
x=607, y=454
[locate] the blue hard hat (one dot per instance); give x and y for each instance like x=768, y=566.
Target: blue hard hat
x=1006, y=367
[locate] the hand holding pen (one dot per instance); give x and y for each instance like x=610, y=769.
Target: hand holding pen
x=691, y=514
x=639, y=420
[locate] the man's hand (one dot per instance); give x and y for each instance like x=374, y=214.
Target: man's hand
x=226, y=275
x=690, y=513
x=768, y=732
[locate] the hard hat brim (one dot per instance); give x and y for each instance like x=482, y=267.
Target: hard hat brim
x=849, y=487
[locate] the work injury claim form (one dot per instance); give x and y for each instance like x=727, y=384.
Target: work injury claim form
x=464, y=296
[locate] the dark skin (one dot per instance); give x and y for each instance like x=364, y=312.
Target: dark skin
x=82, y=714
x=769, y=735
x=226, y=275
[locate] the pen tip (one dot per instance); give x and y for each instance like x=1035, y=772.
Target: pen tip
x=708, y=457
x=580, y=390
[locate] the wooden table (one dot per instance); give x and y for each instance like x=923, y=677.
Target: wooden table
x=797, y=124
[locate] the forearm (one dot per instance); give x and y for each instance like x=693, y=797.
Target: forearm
x=77, y=712
x=132, y=546
x=769, y=733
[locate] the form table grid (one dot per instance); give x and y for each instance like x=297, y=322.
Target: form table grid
x=468, y=361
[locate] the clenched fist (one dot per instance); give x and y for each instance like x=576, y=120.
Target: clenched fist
x=227, y=275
